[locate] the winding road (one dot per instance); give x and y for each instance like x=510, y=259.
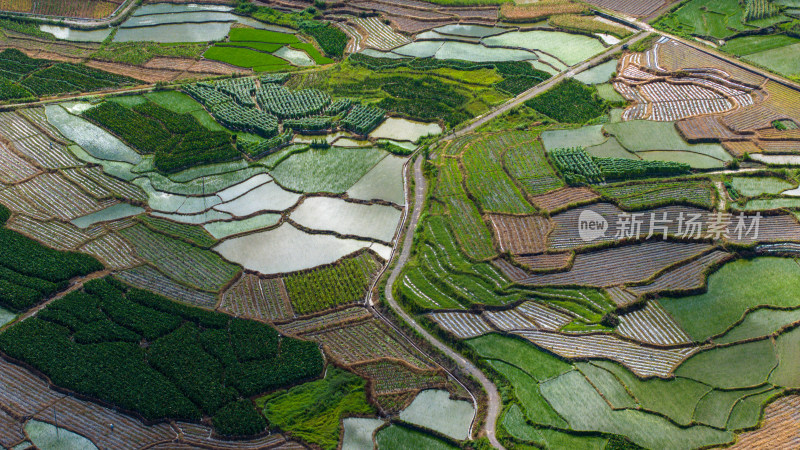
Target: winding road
x=494, y=403
x=540, y=88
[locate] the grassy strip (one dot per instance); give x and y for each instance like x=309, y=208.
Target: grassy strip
x=138, y=53
x=312, y=411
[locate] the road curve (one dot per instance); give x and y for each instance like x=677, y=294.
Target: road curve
x=494, y=405
x=540, y=88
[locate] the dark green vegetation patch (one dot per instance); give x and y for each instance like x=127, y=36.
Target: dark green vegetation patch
x=579, y=167
x=24, y=78
x=29, y=271
x=569, y=102
x=160, y=359
x=178, y=141
x=518, y=76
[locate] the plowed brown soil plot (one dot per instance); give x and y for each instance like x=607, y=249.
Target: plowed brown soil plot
x=93, y=421
x=636, y=8
x=563, y=198
x=734, y=102
x=11, y=432
x=688, y=277
x=539, y=10
x=366, y=341
x=259, y=298
x=614, y=266
x=545, y=262
x=85, y=9
x=781, y=430
x=665, y=96
x=409, y=16
x=520, y=234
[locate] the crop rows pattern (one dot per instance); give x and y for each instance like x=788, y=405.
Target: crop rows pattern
x=652, y=325
x=365, y=341
x=546, y=261
x=563, y=198
x=648, y=195
x=487, y=181
x=391, y=377
x=620, y=265
x=186, y=263
x=461, y=325
x=14, y=169
x=328, y=320
x=55, y=234
x=688, y=277
x=50, y=195
x=112, y=250
x=146, y=277
x=521, y=234
x=643, y=361
x=259, y=298
x=326, y=287
x=45, y=152
x=779, y=428
x=379, y=35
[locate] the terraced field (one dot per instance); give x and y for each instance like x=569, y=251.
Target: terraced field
x=603, y=261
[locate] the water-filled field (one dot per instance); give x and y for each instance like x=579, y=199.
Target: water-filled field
x=485, y=44
x=435, y=410
x=286, y=249
x=400, y=129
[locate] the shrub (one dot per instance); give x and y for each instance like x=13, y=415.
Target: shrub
x=239, y=418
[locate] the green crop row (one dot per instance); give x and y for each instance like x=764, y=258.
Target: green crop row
x=322, y=288
x=363, y=119
x=265, y=147
x=195, y=363
x=578, y=167
x=331, y=39
x=239, y=117
x=206, y=94
x=178, y=141
x=318, y=123
x=240, y=89
x=25, y=78
x=287, y=104
x=339, y=106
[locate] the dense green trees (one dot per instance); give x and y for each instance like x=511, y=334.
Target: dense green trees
x=29, y=271
x=158, y=358
x=178, y=141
